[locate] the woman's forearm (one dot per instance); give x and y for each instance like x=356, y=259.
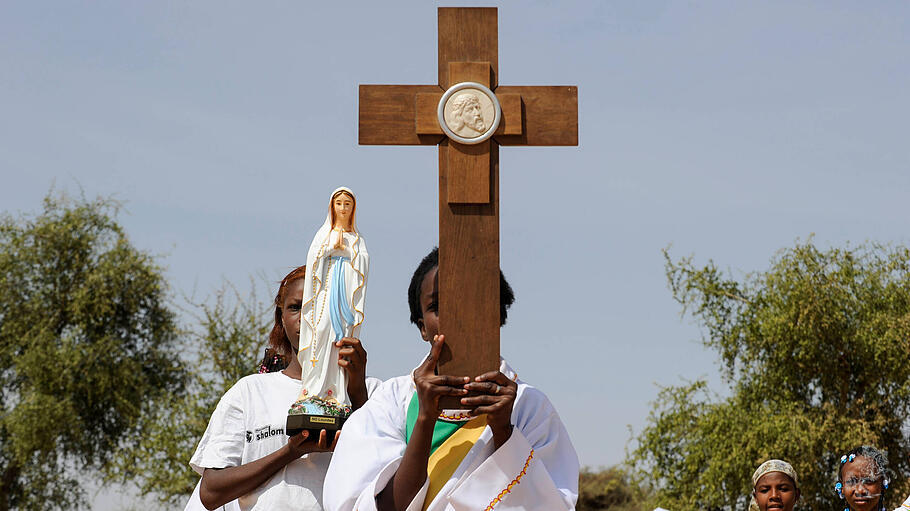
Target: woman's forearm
x=222, y=485
x=412, y=472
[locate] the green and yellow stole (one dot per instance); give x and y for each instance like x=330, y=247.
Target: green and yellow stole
x=451, y=443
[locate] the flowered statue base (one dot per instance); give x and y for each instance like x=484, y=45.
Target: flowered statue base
x=315, y=414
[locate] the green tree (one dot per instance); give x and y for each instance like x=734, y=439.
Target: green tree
x=87, y=348
x=225, y=339
x=815, y=352
x=610, y=489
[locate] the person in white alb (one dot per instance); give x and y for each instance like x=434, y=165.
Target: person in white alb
x=400, y=451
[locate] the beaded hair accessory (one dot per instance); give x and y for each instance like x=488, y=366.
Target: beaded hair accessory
x=839, y=487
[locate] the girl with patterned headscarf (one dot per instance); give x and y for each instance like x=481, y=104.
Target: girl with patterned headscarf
x=774, y=483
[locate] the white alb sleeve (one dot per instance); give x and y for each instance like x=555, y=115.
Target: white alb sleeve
x=368, y=453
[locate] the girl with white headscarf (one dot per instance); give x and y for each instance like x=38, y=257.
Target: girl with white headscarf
x=774, y=483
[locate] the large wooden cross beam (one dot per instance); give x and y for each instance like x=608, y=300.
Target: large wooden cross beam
x=468, y=172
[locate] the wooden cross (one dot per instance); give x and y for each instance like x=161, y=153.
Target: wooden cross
x=468, y=174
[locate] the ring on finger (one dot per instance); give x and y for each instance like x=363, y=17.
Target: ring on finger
x=497, y=389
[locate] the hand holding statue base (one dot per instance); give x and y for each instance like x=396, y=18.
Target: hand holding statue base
x=333, y=298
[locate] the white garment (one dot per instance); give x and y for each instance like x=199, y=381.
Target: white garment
x=321, y=376
x=370, y=450
x=905, y=506
x=248, y=424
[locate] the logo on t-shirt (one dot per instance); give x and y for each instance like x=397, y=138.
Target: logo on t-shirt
x=266, y=432
x=249, y=436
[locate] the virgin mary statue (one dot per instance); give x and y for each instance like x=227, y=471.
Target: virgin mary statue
x=336, y=275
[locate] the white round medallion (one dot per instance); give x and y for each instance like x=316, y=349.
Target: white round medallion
x=469, y=113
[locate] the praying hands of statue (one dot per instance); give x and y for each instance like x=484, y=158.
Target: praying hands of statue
x=353, y=358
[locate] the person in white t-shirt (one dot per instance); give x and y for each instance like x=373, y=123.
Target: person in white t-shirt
x=271, y=362
x=244, y=453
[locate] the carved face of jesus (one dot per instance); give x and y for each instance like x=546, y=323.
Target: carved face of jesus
x=862, y=484
x=775, y=491
x=472, y=113
x=343, y=207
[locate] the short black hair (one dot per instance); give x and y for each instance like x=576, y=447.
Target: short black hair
x=506, y=295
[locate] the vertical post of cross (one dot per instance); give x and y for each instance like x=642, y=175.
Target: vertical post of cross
x=469, y=204
x=468, y=173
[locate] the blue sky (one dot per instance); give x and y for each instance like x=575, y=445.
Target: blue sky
x=727, y=130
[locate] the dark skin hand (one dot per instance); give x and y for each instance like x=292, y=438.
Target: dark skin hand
x=353, y=358
x=495, y=400
x=222, y=485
